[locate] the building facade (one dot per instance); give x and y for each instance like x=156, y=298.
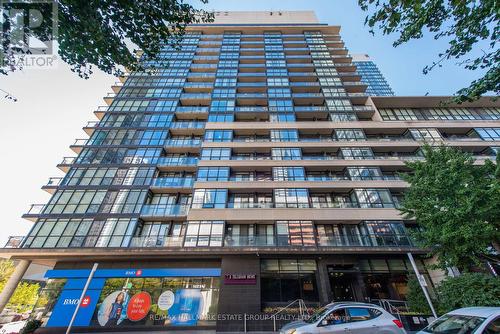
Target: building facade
x=371, y=75
x=251, y=171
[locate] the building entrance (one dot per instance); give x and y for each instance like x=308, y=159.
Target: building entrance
x=342, y=283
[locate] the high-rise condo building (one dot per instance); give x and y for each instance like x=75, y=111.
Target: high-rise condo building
x=371, y=75
x=250, y=171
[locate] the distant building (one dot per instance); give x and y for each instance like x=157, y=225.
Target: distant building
x=371, y=75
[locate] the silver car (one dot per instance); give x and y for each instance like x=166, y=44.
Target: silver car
x=469, y=320
x=352, y=318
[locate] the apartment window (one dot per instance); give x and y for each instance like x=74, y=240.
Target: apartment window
x=350, y=134
x=229, y=55
x=225, y=82
x=277, y=72
x=273, y=48
x=488, y=133
x=224, y=93
x=354, y=153
x=227, y=48
x=288, y=174
x=222, y=105
x=219, y=135
x=275, y=63
x=204, y=233
x=372, y=198
x=291, y=198
x=320, y=201
x=327, y=71
x=209, y=199
x=295, y=233
x=275, y=55
x=284, y=135
x=227, y=72
x=279, y=92
x=213, y=174
x=220, y=117
x=490, y=113
x=398, y=114
x=338, y=105
x=281, y=117
x=323, y=63
x=280, y=105
x=75, y=201
x=286, y=154
x=342, y=117
x=334, y=92
x=228, y=63
x=364, y=173
x=278, y=82
x=216, y=154
x=386, y=233
x=425, y=134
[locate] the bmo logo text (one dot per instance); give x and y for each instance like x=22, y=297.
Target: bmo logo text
x=137, y=272
x=74, y=301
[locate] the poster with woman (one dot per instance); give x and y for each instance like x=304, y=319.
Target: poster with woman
x=112, y=310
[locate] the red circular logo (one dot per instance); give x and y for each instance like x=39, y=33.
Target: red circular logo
x=85, y=301
x=138, y=306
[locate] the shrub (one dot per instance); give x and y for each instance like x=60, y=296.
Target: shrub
x=471, y=289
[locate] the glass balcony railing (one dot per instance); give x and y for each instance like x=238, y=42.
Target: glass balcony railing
x=92, y=124
x=187, y=125
x=54, y=182
x=380, y=240
x=156, y=241
x=68, y=161
x=164, y=210
x=183, y=142
x=177, y=161
x=192, y=109
x=239, y=205
x=35, y=209
x=14, y=242
x=195, y=96
x=173, y=182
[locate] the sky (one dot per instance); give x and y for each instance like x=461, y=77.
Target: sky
x=54, y=104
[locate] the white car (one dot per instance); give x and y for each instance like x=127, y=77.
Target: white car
x=12, y=327
x=348, y=317
x=469, y=320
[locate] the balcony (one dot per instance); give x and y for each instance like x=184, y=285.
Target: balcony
x=192, y=110
x=52, y=184
x=14, y=242
x=170, y=211
x=183, y=143
x=178, y=161
x=156, y=241
x=173, y=182
x=381, y=240
x=109, y=98
x=34, y=211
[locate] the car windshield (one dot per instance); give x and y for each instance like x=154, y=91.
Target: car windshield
x=454, y=324
x=317, y=315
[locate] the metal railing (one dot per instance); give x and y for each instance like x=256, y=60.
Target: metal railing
x=14, y=242
x=183, y=142
x=174, y=182
x=177, y=161
x=54, y=181
x=35, y=209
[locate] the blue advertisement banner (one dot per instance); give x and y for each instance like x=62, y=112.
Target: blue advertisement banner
x=66, y=304
x=163, y=272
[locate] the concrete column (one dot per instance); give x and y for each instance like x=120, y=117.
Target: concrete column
x=12, y=283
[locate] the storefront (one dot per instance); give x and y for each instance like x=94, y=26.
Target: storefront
x=127, y=298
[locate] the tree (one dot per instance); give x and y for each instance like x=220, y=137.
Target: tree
x=99, y=32
x=467, y=25
x=25, y=295
x=456, y=205
x=471, y=289
x=416, y=298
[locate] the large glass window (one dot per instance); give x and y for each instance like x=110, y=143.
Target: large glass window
x=350, y=134
x=286, y=154
x=205, y=233
x=209, y=199
x=295, y=233
x=284, y=135
x=488, y=133
x=364, y=173
x=291, y=198
x=288, y=174
x=373, y=198
x=213, y=174
x=218, y=135
x=216, y=154
x=425, y=134
x=354, y=153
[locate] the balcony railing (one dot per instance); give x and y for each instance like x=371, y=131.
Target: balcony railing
x=68, y=160
x=164, y=210
x=35, y=209
x=180, y=161
x=187, y=125
x=183, y=142
x=230, y=241
x=174, y=182
x=54, y=182
x=192, y=109
x=14, y=242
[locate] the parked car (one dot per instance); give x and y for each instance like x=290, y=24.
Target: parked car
x=468, y=320
x=12, y=327
x=352, y=318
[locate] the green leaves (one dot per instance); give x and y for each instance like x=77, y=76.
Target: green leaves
x=456, y=204
x=463, y=23
x=102, y=33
